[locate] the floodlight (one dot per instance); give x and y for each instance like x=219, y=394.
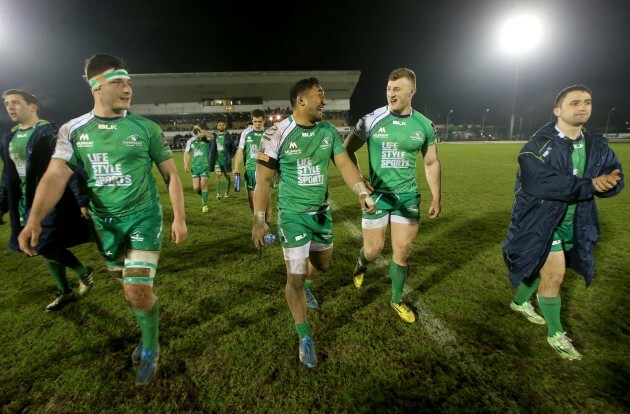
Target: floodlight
x=521, y=33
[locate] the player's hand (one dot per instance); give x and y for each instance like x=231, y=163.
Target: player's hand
x=86, y=213
x=178, y=231
x=29, y=237
x=258, y=233
x=434, y=209
x=606, y=182
x=2, y=213
x=368, y=185
x=367, y=204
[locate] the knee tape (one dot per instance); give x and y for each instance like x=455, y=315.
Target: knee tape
x=138, y=259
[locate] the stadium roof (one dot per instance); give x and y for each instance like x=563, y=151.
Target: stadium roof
x=156, y=88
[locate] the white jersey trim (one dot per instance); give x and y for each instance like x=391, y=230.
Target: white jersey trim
x=63, y=149
x=189, y=143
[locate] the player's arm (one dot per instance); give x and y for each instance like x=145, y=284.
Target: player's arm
x=49, y=191
x=186, y=158
x=265, y=170
x=354, y=180
x=352, y=143
x=207, y=134
x=433, y=172
x=238, y=160
x=176, y=194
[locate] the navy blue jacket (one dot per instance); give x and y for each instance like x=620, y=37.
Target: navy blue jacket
x=230, y=149
x=64, y=226
x=545, y=184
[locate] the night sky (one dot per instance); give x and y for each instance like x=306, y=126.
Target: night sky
x=451, y=45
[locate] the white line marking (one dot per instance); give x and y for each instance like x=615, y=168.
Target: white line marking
x=441, y=334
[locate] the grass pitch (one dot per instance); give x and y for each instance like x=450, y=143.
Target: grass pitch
x=227, y=337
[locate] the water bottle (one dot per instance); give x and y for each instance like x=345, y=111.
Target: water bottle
x=237, y=182
x=269, y=238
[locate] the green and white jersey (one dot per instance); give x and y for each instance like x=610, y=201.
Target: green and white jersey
x=303, y=154
x=17, y=153
x=17, y=150
x=220, y=139
x=249, y=143
x=394, y=142
x=118, y=155
x=200, y=151
x=578, y=158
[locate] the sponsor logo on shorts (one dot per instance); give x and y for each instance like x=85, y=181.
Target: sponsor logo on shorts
x=326, y=236
x=136, y=237
x=300, y=237
x=413, y=209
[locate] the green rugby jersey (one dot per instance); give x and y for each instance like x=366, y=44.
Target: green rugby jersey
x=303, y=154
x=394, y=142
x=118, y=155
x=220, y=139
x=200, y=151
x=17, y=153
x=249, y=143
x=578, y=157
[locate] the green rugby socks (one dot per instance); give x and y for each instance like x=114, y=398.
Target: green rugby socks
x=303, y=329
x=149, y=325
x=550, y=308
x=525, y=290
x=59, y=275
x=204, y=198
x=399, y=276
x=362, y=260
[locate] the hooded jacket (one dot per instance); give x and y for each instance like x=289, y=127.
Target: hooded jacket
x=544, y=186
x=230, y=150
x=64, y=226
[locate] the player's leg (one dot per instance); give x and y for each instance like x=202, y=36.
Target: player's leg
x=297, y=263
x=551, y=277
x=57, y=261
x=319, y=258
x=250, y=185
x=522, y=303
x=218, y=174
x=295, y=237
x=228, y=178
x=203, y=183
x=374, y=228
x=138, y=277
x=320, y=251
x=195, y=183
x=404, y=231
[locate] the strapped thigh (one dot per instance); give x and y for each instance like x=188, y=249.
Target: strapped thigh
x=140, y=259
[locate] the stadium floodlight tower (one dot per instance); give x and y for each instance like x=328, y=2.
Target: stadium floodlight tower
x=519, y=35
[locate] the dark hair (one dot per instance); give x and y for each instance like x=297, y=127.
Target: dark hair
x=29, y=98
x=563, y=93
x=257, y=113
x=301, y=87
x=402, y=73
x=100, y=62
